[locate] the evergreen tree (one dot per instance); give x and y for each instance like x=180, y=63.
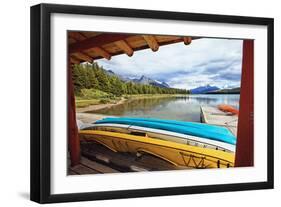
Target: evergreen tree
x=92, y=76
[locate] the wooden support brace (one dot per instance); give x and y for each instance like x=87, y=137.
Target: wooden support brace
x=74, y=60
x=102, y=53
x=187, y=40
x=152, y=42
x=125, y=47
x=83, y=57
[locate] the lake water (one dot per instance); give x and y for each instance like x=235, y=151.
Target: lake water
x=185, y=108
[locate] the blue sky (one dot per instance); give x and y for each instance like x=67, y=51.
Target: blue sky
x=204, y=61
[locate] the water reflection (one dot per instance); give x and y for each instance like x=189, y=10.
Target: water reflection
x=186, y=108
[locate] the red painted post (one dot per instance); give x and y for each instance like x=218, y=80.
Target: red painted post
x=245, y=135
x=73, y=138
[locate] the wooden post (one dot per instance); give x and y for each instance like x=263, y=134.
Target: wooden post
x=73, y=138
x=245, y=135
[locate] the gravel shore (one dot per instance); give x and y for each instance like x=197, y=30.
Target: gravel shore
x=89, y=117
x=99, y=106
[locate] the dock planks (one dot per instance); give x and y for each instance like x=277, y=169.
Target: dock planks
x=214, y=116
x=81, y=169
x=97, y=159
x=124, y=162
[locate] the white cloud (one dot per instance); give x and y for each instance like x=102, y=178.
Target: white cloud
x=204, y=61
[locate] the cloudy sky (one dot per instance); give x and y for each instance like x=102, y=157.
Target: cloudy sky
x=205, y=61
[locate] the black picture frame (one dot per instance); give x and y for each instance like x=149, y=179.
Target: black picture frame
x=41, y=96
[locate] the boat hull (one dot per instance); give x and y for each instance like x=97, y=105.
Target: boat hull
x=175, y=153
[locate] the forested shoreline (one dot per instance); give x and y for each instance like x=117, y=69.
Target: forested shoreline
x=91, y=80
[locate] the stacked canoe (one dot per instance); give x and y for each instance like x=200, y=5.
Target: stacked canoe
x=189, y=144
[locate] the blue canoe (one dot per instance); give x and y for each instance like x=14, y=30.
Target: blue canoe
x=190, y=128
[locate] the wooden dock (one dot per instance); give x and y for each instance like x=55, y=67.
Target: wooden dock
x=98, y=159
x=214, y=116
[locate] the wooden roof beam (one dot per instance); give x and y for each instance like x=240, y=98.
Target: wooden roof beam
x=76, y=36
x=125, y=47
x=187, y=40
x=74, y=60
x=83, y=57
x=96, y=41
x=152, y=42
x=102, y=52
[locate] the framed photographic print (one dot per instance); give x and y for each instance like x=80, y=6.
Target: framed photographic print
x=133, y=103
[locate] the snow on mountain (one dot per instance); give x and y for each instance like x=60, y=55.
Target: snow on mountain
x=142, y=80
x=148, y=81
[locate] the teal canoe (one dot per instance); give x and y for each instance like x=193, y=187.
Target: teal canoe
x=190, y=128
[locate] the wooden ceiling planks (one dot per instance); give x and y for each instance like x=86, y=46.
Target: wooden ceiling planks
x=77, y=36
x=96, y=41
x=112, y=48
x=90, y=34
x=88, y=46
x=71, y=40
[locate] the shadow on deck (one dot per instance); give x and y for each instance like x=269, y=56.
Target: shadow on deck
x=98, y=159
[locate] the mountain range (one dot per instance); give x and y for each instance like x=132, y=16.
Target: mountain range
x=148, y=81
x=204, y=89
x=226, y=91
x=142, y=80
x=208, y=89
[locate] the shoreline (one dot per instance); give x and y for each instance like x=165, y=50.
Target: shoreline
x=88, y=118
x=95, y=107
x=99, y=106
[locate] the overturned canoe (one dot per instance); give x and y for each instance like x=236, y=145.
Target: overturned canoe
x=228, y=109
x=175, y=153
x=189, y=128
x=163, y=135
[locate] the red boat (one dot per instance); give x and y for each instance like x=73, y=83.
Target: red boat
x=228, y=109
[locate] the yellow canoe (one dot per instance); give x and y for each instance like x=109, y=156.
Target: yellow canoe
x=175, y=153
